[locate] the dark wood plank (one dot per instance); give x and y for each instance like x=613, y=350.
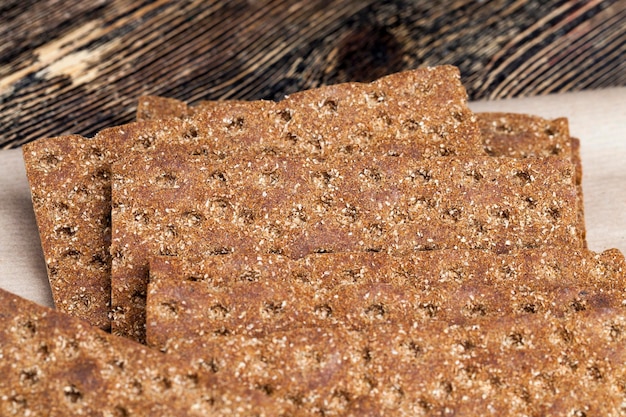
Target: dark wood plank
x=70, y=66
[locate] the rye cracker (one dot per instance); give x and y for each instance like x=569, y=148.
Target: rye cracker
x=527, y=136
x=550, y=322
x=420, y=113
x=55, y=364
x=71, y=192
x=72, y=202
x=181, y=203
x=357, y=290
x=70, y=186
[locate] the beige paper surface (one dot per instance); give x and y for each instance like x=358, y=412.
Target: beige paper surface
x=597, y=118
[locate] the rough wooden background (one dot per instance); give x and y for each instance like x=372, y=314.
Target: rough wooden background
x=77, y=66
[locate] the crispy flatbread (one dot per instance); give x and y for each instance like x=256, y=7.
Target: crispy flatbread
x=58, y=365
x=356, y=290
x=181, y=202
x=532, y=325
x=70, y=183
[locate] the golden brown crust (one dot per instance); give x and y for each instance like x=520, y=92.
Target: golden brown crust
x=467, y=324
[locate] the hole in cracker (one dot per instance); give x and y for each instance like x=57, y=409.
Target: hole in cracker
x=297, y=217
x=192, y=132
x=29, y=377
x=473, y=309
x=218, y=176
x=530, y=308
x=141, y=216
x=524, y=176
x=323, y=311
x=616, y=332
x=235, y=123
x=475, y=174
x=376, y=229
x=18, y=402
x=467, y=344
x=554, y=212
x=595, y=373
x=322, y=179
x=272, y=308
x=430, y=309
x=193, y=218
x=530, y=202
x=372, y=174
x=565, y=335
x=250, y=275
x=353, y=275
x=412, y=349
x=170, y=308
x=211, y=365
x=163, y=382
x=375, y=311
x=72, y=253
x=66, y=230
x=410, y=124
x=323, y=250
x=285, y=115
x=145, y=141
x=446, y=151
x=49, y=161
x=330, y=105
x=291, y=137
x=72, y=394
x=266, y=389
x=556, y=150
x=222, y=331
x=453, y=213
x=550, y=131
x=166, y=179
x=217, y=312
x=578, y=305
x=246, y=216
x=220, y=250
x=350, y=212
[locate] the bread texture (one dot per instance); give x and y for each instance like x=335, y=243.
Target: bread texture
x=57, y=365
x=71, y=193
x=70, y=182
x=458, y=325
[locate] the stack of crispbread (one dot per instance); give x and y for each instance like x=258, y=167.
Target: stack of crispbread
x=357, y=249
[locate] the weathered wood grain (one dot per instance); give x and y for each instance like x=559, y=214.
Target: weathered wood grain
x=69, y=66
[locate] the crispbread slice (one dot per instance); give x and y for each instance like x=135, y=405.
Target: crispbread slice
x=71, y=193
x=70, y=186
x=420, y=113
x=505, y=324
x=523, y=136
x=182, y=203
x=55, y=364
x=362, y=289
x=58, y=179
